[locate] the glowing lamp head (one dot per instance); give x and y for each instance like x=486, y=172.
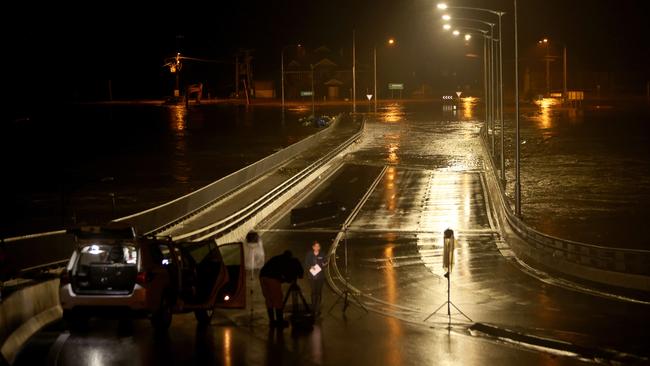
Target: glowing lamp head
x=391, y=41
x=468, y=37
x=442, y=6
x=446, y=27
x=226, y=298
x=446, y=17
x=456, y=32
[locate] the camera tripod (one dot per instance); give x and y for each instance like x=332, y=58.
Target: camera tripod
x=346, y=295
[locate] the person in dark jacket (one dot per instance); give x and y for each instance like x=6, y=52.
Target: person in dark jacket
x=315, y=262
x=278, y=269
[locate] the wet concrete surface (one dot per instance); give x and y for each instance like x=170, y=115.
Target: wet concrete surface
x=434, y=181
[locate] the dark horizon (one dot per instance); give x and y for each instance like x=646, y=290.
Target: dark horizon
x=60, y=56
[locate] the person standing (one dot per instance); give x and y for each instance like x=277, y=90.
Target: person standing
x=316, y=262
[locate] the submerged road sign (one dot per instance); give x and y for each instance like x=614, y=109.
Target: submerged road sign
x=394, y=86
x=306, y=93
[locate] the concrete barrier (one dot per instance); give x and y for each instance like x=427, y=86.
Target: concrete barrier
x=44, y=248
x=24, y=313
x=169, y=213
x=624, y=268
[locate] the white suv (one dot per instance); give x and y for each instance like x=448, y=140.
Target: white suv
x=112, y=272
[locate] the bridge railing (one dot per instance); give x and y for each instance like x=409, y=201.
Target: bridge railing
x=42, y=251
x=627, y=268
x=169, y=213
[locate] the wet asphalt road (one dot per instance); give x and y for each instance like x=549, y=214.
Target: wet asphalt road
x=433, y=182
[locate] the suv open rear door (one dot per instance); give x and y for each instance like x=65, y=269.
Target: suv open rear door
x=233, y=293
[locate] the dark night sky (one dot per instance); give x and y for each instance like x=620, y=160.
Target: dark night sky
x=67, y=51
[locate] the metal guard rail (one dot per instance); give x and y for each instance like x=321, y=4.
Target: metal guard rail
x=64, y=244
x=628, y=261
x=229, y=223
x=168, y=214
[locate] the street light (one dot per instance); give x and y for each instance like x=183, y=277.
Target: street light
x=468, y=37
x=491, y=79
x=446, y=27
x=446, y=17
x=456, y=32
x=546, y=42
x=487, y=66
x=390, y=42
x=517, y=157
x=443, y=6
x=548, y=65
x=282, y=67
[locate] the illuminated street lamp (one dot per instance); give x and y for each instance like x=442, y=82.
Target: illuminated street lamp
x=446, y=27
x=547, y=43
x=468, y=37
x=446, y=17
x=443, y=6
x=390, y=42
x=282, y=67
x=491, y=81
x=487, y=66
x=456, y=32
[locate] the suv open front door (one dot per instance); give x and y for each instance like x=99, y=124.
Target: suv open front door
x=233, y=294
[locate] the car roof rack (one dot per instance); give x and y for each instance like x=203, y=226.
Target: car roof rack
x=103, y=232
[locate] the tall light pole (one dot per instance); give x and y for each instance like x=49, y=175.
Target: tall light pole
x=548, y=65
x=313, y=105
x=354, y=74
x=517, y=137
x=547, y=43
x=564, y=73
x=282, y=68
x=391, y=42
x=490, y=76
x=486, y=63
x=374, y=54
x=443, y=6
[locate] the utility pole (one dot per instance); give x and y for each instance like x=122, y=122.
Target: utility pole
x=564, y=83
x=282, y=72
x=375, y=71
x=517, y=137
x=354, y=74
x=548, y=70
x=313, y=105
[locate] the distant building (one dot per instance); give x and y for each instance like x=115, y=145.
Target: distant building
x=331, y=72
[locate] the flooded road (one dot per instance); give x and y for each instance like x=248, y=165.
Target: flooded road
x=585, y=173
x=417, y=171
x=91, y=163
x=423, y=170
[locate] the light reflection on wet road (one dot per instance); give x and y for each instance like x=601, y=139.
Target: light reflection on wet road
x=434, y=180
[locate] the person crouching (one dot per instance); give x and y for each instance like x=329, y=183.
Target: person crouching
x=280, y=268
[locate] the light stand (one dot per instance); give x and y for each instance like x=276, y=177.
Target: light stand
x=252, y=255
x=448, y=265
x=448, y=303
x=346, y=294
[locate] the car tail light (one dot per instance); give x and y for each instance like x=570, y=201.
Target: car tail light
x=65, y=278
x=142, y=278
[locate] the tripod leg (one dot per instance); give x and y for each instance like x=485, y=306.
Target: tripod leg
x=435, y=311
x=460, y=311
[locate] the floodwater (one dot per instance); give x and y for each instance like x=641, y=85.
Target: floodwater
x=585, y=173
x=91, y=163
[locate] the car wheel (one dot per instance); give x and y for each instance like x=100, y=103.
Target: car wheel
x=161, y=319
x=204, y=316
